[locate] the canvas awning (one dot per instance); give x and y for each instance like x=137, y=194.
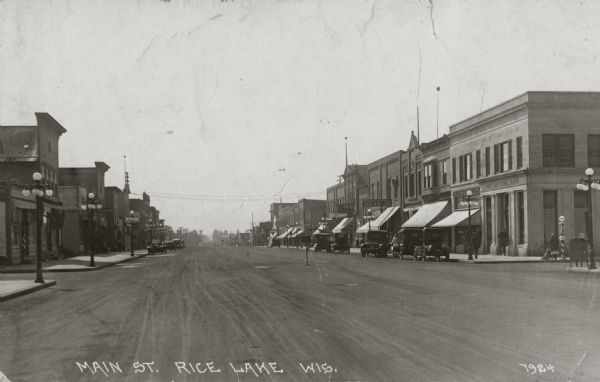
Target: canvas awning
x=344, y=226
x=460, y=218
x=379, y=221
x=297, y=233
x=428, y=214
x=285, y=233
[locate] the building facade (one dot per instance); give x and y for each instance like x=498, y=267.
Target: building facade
x=25, y=150
x=522, y=159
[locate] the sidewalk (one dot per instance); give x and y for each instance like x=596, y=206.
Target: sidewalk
x=15, y=288
x=76, y=264
x=481, y=259
x=583, y=270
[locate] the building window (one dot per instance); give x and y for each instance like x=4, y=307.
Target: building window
x=411, y=185
x=519, y=152
x=427, y=178
x=1, y=148
x=49, y=146
x=453, y=170
x=466, y=167
x=444, y=171
x=487, y=161
x=558, y=150
x=372, y=190
x=550, y=213
x=395, y=185
x=478, y=163
x=593, y=150
x=503, y=157
x=521, y=217
x=580, y=204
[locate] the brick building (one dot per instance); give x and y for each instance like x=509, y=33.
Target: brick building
x=23, y=151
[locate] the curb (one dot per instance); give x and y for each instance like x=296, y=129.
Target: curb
x=27, y=291
x=584, y=270
x=8, y=271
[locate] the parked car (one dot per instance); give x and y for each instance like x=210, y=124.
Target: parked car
x=156, y=247
x=323, y=241
x=376, y=242
x=407, y=240
x=435, y=244
x=341, y=242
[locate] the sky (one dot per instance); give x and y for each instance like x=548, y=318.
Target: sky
x=223, y=107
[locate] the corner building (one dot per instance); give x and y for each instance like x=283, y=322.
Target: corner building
x=522, y=160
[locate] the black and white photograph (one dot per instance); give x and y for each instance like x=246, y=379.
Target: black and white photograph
x=299, y=190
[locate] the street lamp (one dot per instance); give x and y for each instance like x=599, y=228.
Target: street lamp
x=90, y=205
x=130, y=220
x=38, y=189
x=369, y=216
x=469, y=194
x=587, y=185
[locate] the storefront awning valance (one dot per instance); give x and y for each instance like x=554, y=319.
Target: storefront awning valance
x=346, y=225
x=428, y=214
x=460, y=218
x=298, y=233
x=379, y=221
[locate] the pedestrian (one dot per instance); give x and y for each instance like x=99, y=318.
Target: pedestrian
x=476, y=242
x=554, y=246
x=502, y=242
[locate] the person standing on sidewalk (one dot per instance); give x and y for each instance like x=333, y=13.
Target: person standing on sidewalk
x=476, y=243
x=502, y=241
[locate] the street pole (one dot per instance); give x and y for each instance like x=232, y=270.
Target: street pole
x=39, y=207
x=91, y=244
x=131, y=237
x=592, y=260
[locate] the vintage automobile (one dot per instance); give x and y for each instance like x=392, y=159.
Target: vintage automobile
x=323, y=241
x=406, y=241
x=341, y=242
x=375, y=242
x=435, y=244
x=156, y=247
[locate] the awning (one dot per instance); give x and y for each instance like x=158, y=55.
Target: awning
x=285, y=233
x=381, y=220
x=344, y=226
x=297, y=233
x=428, y=214
x=460, y=218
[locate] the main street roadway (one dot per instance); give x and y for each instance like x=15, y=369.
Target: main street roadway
x=259, y=314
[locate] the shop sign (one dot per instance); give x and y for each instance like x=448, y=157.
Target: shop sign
x=503, y=183
x=376, y=203
x=462, y=202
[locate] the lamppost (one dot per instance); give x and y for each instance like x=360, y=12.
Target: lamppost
x=469, y=194
x=369, y=216
x=38, y=189
x=90, y=205
x=587, y=185
x=130, y=220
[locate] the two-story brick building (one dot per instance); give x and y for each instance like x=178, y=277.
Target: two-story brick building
x=25, y=150
x=76, y=183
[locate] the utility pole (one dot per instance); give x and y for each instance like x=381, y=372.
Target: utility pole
x=437, y=126
x=253, y=229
